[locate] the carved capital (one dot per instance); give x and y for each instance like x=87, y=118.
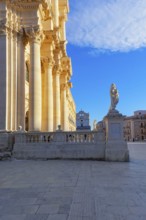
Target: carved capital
x=3, y=27
x=63, y=48
x=56, y=69
x=34, y=34
x=70, y=84
x=66, y=64
x=56, y=36
x=48, y=37
x=64, y=86
x=47, y=62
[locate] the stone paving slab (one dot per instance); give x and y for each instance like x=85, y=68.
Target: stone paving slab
x=74, y=190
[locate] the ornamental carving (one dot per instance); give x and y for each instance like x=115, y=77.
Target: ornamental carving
x=47, y=61
x=66, y=64
x=56, y=69
x=3, y=27
x=34, y=34
x=64, y=86
x=48, y=36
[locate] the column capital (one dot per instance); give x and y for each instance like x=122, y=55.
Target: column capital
x=56, y=69
x=56, y=35
x=3, y=27
x=64, y=86
x=34, y=34
x=48, y=37
x=63, y=17
x=66, y=66
x=63, y=48
x=47, y=61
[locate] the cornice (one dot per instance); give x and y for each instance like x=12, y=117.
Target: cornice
x=25, y=4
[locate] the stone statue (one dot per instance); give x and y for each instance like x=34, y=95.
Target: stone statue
x=114, y=97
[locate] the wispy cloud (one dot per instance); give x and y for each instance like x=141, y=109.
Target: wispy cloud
x=115, y=25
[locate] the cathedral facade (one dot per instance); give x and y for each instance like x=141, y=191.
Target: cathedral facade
x=35, y=71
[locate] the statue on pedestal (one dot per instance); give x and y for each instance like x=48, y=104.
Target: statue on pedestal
x=114, y=97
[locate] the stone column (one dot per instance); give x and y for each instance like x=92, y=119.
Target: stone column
x=56, y=92
x=3, y=78
x=9, y=82
x=14, y=72
x=64, y=107
x=49, y=95
x=44, y=102
x=35, y=92
x=56, y=13
x=21, y=82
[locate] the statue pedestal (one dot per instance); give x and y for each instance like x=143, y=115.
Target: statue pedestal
x=116, y=147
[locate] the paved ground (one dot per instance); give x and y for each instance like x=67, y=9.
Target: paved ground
x=74, y=190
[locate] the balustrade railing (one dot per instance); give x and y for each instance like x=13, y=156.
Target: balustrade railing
x=63, y=137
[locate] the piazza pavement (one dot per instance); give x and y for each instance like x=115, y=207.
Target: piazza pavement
x=73, y=189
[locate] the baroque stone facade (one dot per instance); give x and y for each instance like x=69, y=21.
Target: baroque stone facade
x=83, y=121
x=35, y=70
x=135, y=126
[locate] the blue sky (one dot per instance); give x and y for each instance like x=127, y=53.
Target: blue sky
x=107, y=44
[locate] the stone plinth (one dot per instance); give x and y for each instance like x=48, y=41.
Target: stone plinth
x=6, y=142
x=116, y=147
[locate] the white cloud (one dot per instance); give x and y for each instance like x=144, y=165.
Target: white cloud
x=115, y=25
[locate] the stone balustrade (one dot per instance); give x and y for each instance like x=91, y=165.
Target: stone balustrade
x=60, y=144
x=88, y=137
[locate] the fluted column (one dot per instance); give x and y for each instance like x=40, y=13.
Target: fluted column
x=56, y=92
x=64, y=107
x=21, y=82
x=35, y=92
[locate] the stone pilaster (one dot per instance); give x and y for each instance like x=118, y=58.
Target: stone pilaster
x=56, y=92
x=35, y=92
